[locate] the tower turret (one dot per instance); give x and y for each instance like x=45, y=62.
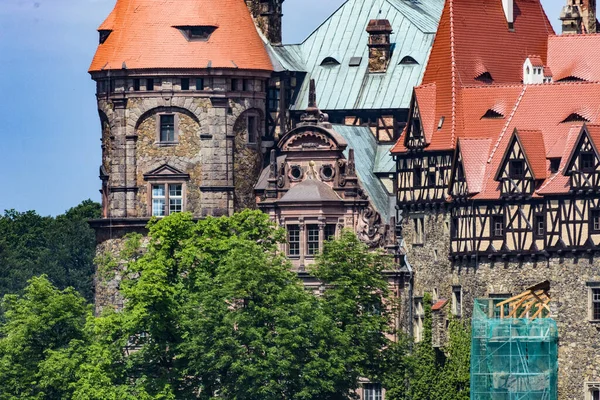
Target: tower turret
x=267, y=16
x=579, y=16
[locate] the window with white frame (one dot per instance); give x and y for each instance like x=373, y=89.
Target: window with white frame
x=167, y=199
x=594, y=301
x=457, y=300
x=312, y=240
x=293, y=232
x=592, y=391
x=372, y=391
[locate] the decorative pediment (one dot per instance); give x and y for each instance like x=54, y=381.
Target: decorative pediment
x=308, y=138
x=166, y=171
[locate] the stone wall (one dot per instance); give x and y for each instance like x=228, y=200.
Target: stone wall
x=211, y=146
x=579, y=339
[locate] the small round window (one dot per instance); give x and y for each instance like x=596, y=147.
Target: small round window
x=296, y=172
x=327, y=172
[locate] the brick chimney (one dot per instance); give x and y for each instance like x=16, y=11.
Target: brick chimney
x=380, y=47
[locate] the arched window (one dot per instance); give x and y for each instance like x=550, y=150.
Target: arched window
x=408, y=60
x=327, y=61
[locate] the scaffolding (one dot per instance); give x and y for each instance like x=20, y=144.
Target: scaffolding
x=514, y=358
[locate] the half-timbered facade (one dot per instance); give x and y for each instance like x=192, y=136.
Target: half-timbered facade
x=521, y=198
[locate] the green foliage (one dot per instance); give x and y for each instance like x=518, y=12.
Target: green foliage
x=212, y=310
x=455, y=378
x=38, y=325
x=62, y=248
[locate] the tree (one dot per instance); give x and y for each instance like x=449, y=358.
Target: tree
x=454, y=383
x=62, y=248
x=43, y=320
x=357, y=299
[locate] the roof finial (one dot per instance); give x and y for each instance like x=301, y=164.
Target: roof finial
x=313, y=115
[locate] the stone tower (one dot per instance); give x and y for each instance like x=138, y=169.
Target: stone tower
x=182, y=118
x=267, y=15
x=579, y=16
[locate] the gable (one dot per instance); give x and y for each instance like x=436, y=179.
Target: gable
x=166, y=171
x=584, y=147
x=514, y=154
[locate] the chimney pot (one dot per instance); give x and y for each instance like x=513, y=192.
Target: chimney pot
x=380, y=46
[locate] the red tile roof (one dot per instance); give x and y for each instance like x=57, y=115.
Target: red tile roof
x=535, y=152
x=144, y=36
x=536, y=61
x=574, y=56
x=474, y=153
x=439, y=305
x=473, y=38
x=425, y=96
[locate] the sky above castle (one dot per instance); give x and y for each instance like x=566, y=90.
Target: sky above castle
x=49, y=126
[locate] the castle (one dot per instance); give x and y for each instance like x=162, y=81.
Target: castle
x=459, y=135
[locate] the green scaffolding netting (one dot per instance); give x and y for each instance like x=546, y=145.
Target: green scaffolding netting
x=512, y=358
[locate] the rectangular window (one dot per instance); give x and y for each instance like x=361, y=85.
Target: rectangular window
x=136, y=84
x=586, y=162
x=246, y=85
x=252, y=129
x=372, y=391
x=454, y=228
x=457, y=300
x=175, y=198
x=199, y=84
x=234, y=85
x=539, y=227
x=330, y=231
x=293, y=232
x=593, y=391
x=312, y=241
x=418, y=315
x=595, y=221
x=417, y=177
x=273, y=99
x=185, y=84
x=163, y=194
x=595, y=304
x=159, y=200
x=149, y=84
x=419, y=235
x=516, y=169
x=431, y=179
x=497, y=227
x=416, y=128
x=167, y=128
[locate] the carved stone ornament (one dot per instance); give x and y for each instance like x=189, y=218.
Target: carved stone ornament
x=309, y=139
x=370, y=229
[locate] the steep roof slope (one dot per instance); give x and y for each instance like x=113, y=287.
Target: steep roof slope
x=572, y=56
x=343, y=36
x=144, y=35
x=475, y=47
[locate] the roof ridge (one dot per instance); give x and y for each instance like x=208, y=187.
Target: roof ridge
x=493, y=85
x=579, y=35
x=453, y=61
x=508, y=122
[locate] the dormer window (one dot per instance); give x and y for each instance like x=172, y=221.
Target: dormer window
x=516, y=169
x=586, y=162
x=575, y=117
x=197, y=33
x=329, y=61
x=491, y=114
x=104, y=34
x=485, y=77
x=408, y=60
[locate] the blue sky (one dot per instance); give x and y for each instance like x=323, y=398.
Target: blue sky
x=50, y=150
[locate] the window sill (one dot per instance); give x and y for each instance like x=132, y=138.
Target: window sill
x=594, y=321
x=166, y=144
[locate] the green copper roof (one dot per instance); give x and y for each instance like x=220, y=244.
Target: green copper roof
x=361, y=139
x=343, y=37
